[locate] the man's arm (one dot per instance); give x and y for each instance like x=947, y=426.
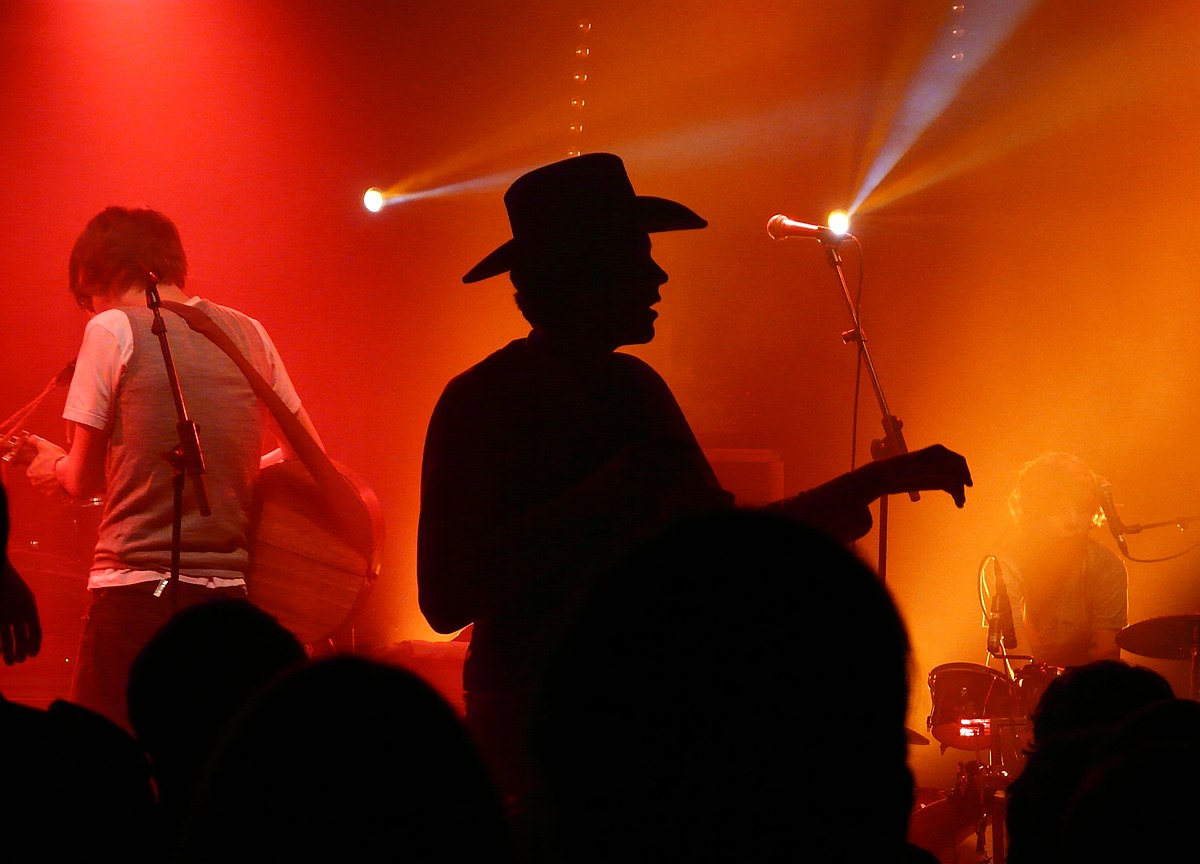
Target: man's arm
x=79, y=473
x=841, y=506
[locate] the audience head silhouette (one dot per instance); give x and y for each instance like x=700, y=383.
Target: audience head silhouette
x=340, y=758
x=1136, y=801
x=1074, y=723
x=692, y=714
x=192, y=676
x=76, y=787
x=1095, y=694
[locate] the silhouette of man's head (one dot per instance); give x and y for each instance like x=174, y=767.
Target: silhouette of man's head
x=580, y=256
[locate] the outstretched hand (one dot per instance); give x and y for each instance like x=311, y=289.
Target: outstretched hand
x=929, y=469
x=20, y=625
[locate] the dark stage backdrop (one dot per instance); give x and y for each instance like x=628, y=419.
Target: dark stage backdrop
x=1026, y=255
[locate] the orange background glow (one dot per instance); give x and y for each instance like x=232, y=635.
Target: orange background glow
x=1030, y=274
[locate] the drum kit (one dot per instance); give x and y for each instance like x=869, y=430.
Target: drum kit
x=987, y=712
x=982, y=710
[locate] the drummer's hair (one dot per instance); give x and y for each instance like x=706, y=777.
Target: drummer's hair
x=1059, y=477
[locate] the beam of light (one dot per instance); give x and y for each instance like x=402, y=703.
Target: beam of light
x=377, y=198
x=1078, y=91
x=973, y=34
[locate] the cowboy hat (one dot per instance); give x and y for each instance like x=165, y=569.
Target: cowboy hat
x=567, y=202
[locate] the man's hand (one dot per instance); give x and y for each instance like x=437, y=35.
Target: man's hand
x=840, y=507
x=41, y=471
x=931, y=468
x=20, y=626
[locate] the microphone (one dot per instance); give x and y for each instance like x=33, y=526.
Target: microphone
x=780, y=226
x=1109, y=508
x=1007, y=625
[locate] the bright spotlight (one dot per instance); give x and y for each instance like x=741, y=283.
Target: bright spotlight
x=373, y=199
x=838, y=222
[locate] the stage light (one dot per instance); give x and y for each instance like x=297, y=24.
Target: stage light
x=838, y=222
x=373, y=199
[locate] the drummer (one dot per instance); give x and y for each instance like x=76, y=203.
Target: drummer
x=1068, y=593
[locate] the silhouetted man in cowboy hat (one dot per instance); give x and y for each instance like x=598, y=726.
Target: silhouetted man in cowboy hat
x=548, y=460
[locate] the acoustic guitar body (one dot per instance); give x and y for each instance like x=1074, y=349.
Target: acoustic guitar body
x=309, y=565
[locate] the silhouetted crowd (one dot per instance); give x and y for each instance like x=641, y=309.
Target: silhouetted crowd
x=689, y=726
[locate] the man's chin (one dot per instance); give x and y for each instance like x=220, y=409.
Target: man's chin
x=641, y=336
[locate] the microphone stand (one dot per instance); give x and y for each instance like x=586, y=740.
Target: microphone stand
x=187, y=458
x=892, y=442
x=1119, y=529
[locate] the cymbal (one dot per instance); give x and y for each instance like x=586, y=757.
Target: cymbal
x=915, y=737
x=1168, y=637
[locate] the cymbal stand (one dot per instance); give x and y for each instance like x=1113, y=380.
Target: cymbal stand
x=994, y=779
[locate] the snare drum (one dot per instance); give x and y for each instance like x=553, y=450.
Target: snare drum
x=967, y=700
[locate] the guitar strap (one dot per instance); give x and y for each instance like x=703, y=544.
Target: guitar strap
x=342, y=496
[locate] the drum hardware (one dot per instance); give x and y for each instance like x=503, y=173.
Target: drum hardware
x=1032, y=680
x=974, y=707
x=982, y=709
x=1168, y=637
x=983, y=784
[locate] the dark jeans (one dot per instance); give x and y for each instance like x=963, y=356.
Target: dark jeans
x=118, y=623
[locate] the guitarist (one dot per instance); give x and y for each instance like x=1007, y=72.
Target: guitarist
x=548, y=460
x=124, y=426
